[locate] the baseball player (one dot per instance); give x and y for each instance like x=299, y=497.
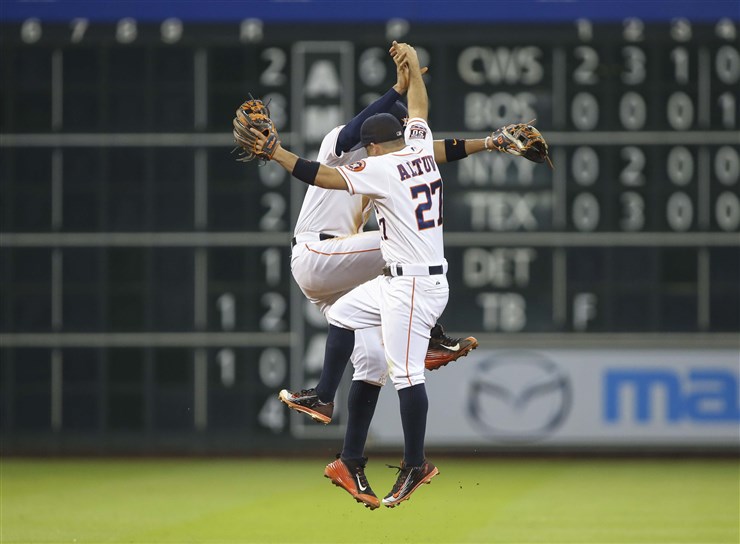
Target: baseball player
x=331, y=255
x=402, y=179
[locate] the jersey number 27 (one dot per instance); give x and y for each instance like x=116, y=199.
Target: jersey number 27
x=426, y=193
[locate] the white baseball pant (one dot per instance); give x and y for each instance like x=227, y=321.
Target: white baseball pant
x=406, y=307
x=327, y=269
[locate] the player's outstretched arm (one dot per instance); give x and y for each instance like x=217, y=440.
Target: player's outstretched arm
x=310, y=172
x=518, y=139
x=522, y=140
x=451, y=150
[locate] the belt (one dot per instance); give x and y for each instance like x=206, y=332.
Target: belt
x=413, y=270
x=310, y=237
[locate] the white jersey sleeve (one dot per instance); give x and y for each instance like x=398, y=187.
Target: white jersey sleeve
x=332, y=212
x=366, y=177
x=419, y=134
x=328, y=151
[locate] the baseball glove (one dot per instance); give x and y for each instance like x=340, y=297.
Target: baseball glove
x=254, y=114
x=522, y=140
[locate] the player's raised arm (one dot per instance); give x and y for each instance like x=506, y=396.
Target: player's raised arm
x=418, y=100
x=349, y=136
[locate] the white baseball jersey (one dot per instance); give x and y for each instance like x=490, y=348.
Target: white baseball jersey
x=406, y=188
x=332, y=212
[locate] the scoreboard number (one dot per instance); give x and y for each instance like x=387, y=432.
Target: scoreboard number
x=31, y=31
x=79, y=28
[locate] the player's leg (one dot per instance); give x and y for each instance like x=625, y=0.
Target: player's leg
x=348, y=471
x=325, y=271
x=415, y=468
x=371, y=372
x=316, y=402
x=351, y=312
x=406, y=335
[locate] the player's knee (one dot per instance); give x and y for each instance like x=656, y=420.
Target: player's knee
x=336, y=320
x=407, y=380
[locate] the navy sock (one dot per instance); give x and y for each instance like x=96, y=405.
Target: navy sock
x=339, y=346
x=363, y=397
x=414, y=406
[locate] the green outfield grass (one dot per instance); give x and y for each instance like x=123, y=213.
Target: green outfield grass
x=229, y=501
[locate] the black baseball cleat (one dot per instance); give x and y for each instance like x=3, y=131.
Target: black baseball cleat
x=307, y=401
x=409, y=479
x=349, y=474
x=443, y=349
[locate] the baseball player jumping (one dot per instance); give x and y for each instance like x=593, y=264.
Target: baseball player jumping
x=412, y=292
x=402, y=179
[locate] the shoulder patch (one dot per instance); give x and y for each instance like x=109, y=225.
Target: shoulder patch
x=417, y=132
x=358, y=166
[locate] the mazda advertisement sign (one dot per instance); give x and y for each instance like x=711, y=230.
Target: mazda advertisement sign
x=559, y=397
x=518, y=396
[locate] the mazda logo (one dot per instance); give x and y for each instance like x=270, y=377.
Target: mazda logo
x=518, y=396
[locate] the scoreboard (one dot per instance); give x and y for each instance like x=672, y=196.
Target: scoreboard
x=145, y=275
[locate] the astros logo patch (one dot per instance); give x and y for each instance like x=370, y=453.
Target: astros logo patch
x=358, y=166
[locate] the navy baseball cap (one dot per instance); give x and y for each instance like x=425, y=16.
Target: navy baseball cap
x=381, y=127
